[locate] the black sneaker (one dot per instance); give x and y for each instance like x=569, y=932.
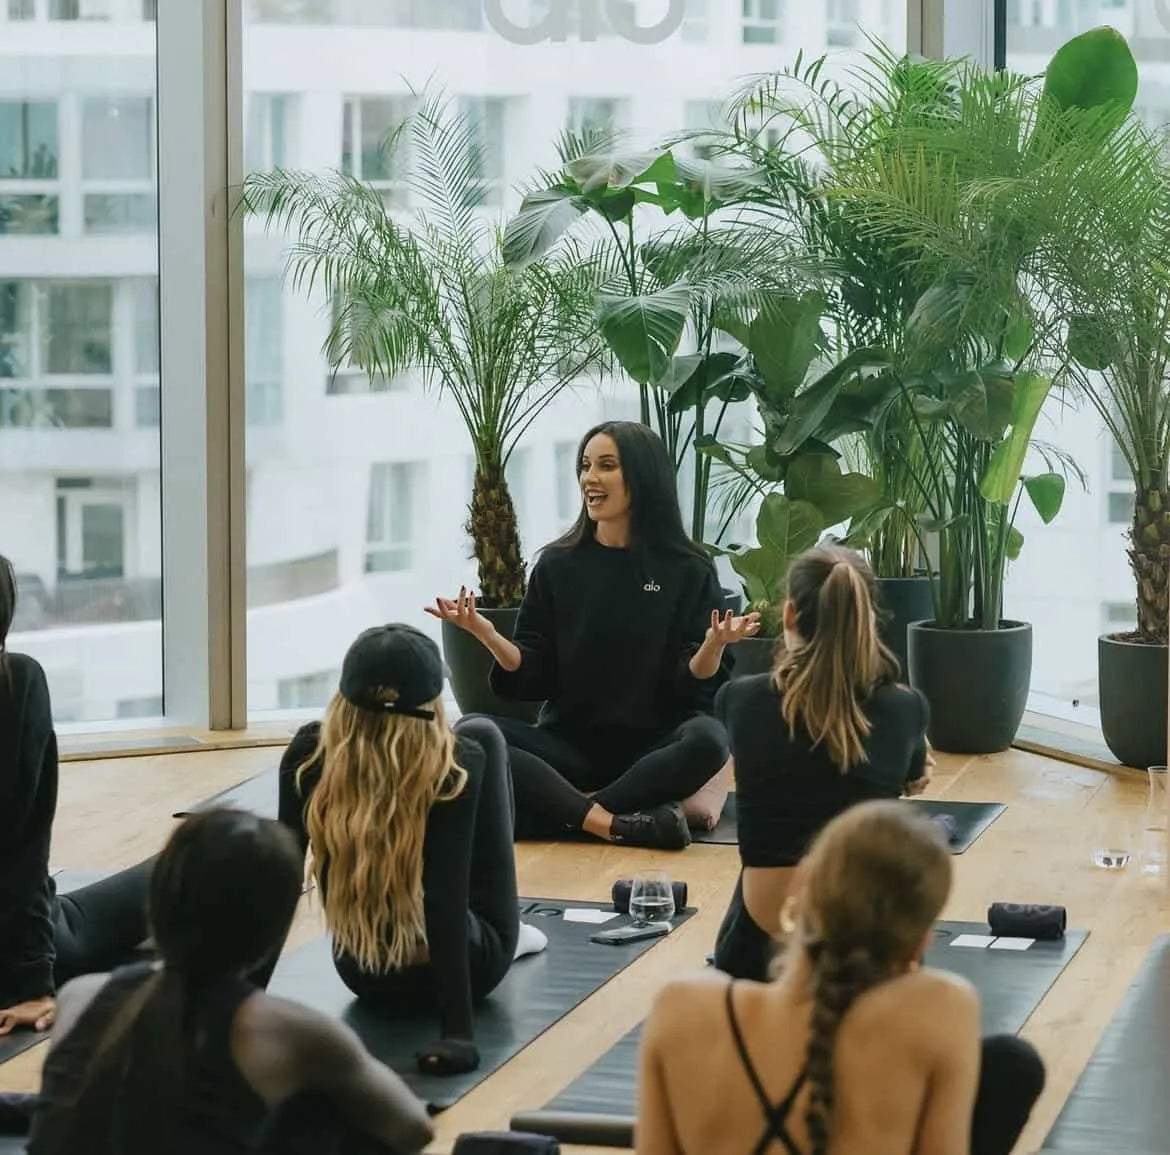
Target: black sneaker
x=663, y=828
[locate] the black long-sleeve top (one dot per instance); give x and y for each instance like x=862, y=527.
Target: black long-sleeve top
x=28, y=804
x=786, y=790
x=606, y=636
x=454, y=831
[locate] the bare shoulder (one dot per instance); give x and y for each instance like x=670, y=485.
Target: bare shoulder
x=685, y=1005
x=923, y=1004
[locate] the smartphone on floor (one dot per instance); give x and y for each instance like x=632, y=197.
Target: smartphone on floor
x=623, y=934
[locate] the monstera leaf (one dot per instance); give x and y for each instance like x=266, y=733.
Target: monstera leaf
x=816, y=478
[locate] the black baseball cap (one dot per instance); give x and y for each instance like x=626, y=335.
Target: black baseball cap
x=393, y=669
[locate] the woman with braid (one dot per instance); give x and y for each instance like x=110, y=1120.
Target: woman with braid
x=856, y=1048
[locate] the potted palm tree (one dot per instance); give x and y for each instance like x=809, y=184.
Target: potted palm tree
x=428, y=290
x=1114, y=287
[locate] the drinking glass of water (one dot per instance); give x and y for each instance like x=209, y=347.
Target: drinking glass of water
x=651, y=897
x=1154, y=834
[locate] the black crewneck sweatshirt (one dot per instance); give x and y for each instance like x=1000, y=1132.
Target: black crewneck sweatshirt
x=28, y=804
x=606, y=636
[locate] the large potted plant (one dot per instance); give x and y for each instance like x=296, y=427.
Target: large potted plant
x=688, y=264
x=1115, y=288
x=428, y=290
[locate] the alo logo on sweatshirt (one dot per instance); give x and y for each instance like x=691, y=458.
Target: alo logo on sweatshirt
x=652, y=587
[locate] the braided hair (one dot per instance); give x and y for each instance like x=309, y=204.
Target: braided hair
x=878, y=876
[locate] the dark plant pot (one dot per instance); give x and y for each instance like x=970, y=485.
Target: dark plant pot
x=753, y=656
x=470, y=663
x=976, y=682
x=902, y=601
x=1131, y=685
x=732, y=600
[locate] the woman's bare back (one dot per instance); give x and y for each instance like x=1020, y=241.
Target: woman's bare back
x=905, y=1063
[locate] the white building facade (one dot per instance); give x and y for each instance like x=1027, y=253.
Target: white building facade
x=356, y=496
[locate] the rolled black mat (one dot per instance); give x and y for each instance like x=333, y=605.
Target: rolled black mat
x=963, y=822
x=259, y=794
x=1026, y=920
x=20, y=1041
x=536, y=992
x=1011, y=984
x=1120, y=1102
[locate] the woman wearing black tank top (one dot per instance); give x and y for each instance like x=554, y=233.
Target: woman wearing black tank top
x=45, y=938
x=189, y=1058
x=855, y=1047
x=829, y=727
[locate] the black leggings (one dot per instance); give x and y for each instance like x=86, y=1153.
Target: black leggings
x=557, y=779
x=494, y=912
x=1011, y=1072
x=97, y=927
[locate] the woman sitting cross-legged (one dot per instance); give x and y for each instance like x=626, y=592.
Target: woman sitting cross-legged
x=856, y=1046
x=188, y=1057
x=45, y=938
x=622, y=636
x=410, y=827
x=828, y=728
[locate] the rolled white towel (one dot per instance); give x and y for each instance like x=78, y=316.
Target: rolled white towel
x=529, y=941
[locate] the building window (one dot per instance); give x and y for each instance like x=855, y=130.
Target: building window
x=92, y=519
x=118, y=164
x=699, y=116
x=1120, y=496
x=139, y=708
x=486, y=117
x=367, y=124
x=763, y=21
x=29, y=176
x=56, y=337
x=1118, y=617
x=395, y=487
x=269, y=132
x=841, y=18
x=22, y=9
x=308, y=691
x=568, y=484
x=588, y=114
x=264, y=350
x=516, y=474
x=143, y=296
x=694, y=25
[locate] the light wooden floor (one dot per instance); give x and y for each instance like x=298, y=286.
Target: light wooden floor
x=115, y=812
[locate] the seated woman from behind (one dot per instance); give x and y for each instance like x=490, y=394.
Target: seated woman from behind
x=189, y=1058
x=828, y=728
x=856, y=1048
x=410, y=827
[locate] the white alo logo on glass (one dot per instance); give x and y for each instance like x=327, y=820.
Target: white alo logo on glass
x=555, y=25
x=652, y=587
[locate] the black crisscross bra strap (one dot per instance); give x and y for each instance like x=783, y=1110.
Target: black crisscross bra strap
x=775, y=1116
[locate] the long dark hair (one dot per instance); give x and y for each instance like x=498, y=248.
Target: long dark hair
x=656, y=524
x=840, y=660
x=7, y=612
x=222, y=896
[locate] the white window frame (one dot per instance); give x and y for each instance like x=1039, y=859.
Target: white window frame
x=146, y=186
x=37, y=186
x=395, y=189
x=760, y=29
x=396, y=540
x=579, y=118
x=271, y=114
x=492, y=185
x=72, y=500
x=842, y=18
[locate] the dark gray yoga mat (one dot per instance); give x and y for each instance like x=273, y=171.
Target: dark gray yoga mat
x=536, y=992
x=1010, y=984
x=971, y=820
x=1120, y=1102
x=20, y=1041
x=258, y=794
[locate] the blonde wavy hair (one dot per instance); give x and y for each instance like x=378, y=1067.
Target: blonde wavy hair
x=840, y=659
x=381, y=773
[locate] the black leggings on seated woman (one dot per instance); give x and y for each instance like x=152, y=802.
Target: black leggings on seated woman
x=557, y=778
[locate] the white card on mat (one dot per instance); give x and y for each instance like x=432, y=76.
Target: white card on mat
x=974, y=940
x=588, y=914
x=1012, y=943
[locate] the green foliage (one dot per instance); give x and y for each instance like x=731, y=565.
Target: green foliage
x=430, y=291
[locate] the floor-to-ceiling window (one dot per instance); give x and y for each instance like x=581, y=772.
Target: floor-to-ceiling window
x=79, y=350
x=358, y=488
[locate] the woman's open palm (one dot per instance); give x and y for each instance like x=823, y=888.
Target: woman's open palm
x=461, y=612
x=727, y=629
